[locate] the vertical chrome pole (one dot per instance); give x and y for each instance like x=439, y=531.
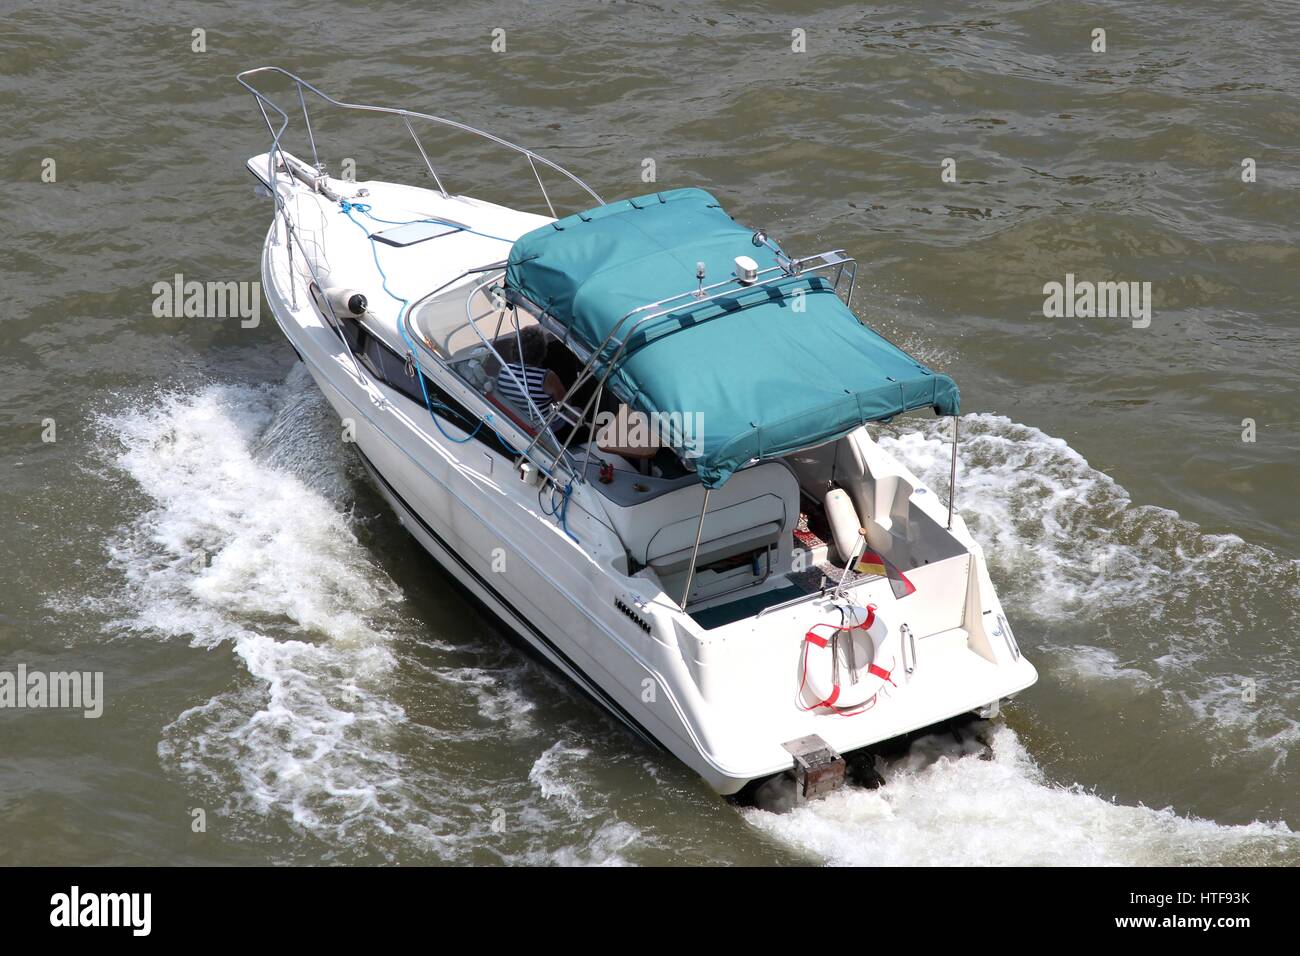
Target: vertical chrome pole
x=541, y=185
x=699, y=533
x=952, y=477
x=420, y=146
x=293, y=283
x=315, y=156
x=858, y=548
x=592, y=438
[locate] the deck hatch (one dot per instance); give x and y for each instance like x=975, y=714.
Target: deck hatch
x=409, y=233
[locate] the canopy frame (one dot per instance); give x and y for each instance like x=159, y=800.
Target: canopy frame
x=702, y=294
x=695, y=552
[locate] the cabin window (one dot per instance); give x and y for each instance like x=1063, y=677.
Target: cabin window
x=390, y=368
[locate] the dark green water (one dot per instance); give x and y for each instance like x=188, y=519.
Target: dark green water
x=320, y=693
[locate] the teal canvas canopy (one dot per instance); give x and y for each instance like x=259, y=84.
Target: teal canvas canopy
x=770, y=368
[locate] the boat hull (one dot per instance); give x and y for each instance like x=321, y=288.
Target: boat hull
x=721, y=700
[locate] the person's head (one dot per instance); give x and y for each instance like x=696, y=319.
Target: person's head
x=534, y=342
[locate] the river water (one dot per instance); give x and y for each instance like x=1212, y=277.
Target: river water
x=313, y=690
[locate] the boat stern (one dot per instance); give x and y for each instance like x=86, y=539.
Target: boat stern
x=796, y=687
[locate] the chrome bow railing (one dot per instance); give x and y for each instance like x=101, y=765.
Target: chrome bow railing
x=302, y=88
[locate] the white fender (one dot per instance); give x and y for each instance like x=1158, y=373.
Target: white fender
x=874, y=654
x=846, y=526
x=346, y=301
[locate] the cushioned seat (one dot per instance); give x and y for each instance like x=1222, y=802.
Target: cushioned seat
x=756, y=509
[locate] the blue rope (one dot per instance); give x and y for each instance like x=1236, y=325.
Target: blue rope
x=346, y=208
x=514, y=452
x=562, y=510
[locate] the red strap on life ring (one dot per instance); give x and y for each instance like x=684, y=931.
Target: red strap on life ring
x=812, y=637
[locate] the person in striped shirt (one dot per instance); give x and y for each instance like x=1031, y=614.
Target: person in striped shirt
x=518, y=381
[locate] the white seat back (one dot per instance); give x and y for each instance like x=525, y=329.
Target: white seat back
x=757, y=507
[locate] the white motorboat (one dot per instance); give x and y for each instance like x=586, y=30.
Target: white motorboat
x=639, y=435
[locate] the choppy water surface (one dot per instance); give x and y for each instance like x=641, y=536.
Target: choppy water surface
x=314, y=685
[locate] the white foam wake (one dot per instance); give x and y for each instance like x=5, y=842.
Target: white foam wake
x=230, y=536
x=246, y=540
x=239, y=546
x=1067, y=535
x=944, y=806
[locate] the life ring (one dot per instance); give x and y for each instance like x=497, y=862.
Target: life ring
x=864, y=647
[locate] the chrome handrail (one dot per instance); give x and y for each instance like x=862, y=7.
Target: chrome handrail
x=1004, y=629
x=264, y=101
x=290, y=234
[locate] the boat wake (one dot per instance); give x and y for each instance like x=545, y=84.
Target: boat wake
x=942, y=805
x=354, y=722
x=249, y=542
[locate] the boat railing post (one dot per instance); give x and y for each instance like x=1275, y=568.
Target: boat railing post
x=541, y=186
x=952, y=477
x=306, y=119
x=293, y=284
x=695, y=554
x=425, y=156
x=594, y=437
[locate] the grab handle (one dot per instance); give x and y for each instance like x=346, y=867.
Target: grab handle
x=1005, y=630
x=909, y=641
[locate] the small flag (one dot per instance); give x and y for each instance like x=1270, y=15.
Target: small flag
x=872, y=563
